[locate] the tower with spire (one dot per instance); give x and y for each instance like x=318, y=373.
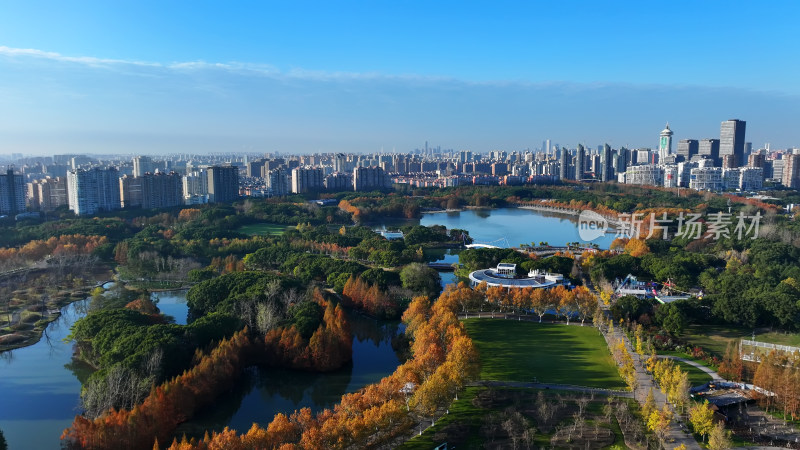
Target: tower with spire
x=665, y=143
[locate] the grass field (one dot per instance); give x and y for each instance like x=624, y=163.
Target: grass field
x=521, y=351
x=262, y=229
x=465, y=425
x=715, y=338
x=696, y=376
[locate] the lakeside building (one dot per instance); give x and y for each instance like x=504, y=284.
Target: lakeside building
x=504, y=275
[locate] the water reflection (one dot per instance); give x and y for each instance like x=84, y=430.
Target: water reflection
x=263, y=392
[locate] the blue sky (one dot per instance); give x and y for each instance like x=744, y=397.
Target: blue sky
x=156, y=77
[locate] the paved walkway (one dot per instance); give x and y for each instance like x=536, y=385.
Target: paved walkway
x=677, y=433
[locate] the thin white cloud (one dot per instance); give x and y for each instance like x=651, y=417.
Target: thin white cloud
x=86, y=60
x=268, y=71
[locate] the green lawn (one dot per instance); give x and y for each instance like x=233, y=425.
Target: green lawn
x=463, y=427
x=696, y=376
x=715, y=338
x=262, y=229
x=521, y=351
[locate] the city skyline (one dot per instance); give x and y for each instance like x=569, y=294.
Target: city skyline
x=133, y=78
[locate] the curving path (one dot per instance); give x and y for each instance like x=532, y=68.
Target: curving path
x=714, y=375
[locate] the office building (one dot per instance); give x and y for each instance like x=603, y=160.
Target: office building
x=710, y=149
x=687, y=148
x=223, y=183
x=93, y=190
x=12, y=193
x=731, y=141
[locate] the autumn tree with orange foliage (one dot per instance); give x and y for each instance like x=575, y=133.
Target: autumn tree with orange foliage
x=369, y=298
x=167, y=405
x=329, y=347
x=444, y=359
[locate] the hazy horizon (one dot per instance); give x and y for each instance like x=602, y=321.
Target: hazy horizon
x=145, y=78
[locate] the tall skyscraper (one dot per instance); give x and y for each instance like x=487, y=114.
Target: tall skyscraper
x=623, y=156
x=687, y=148
x=223, y=183
x=731, y=140
x=665, y=143
x=93, y=190
x=710, y=149
x=12, y=193
x=563, y=168
x=580, y=162
x=606, y=168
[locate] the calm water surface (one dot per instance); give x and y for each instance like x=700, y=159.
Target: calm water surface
x=40, y=384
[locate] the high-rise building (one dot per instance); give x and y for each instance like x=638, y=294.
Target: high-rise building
x=623, y=156
x=48, y=193
x=130, y=191
x=307, y=179
x=278, y=182
x=223, y=183
x=12, y=193
x=195, y=188
x=710, y=149
x=755, y=160
x=791, y=171
x=563, y=166
x=161, y=190
x=665, y=143
x=606, y=168
x=338, y=181
x=366, y=178
x=580, y=162
x=142, y=165
x=340, y=163
x=93, y=190
x=254, y=168
x=687, y=148
x=731, y=140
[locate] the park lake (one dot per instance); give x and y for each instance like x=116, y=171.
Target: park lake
x=40, y=384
